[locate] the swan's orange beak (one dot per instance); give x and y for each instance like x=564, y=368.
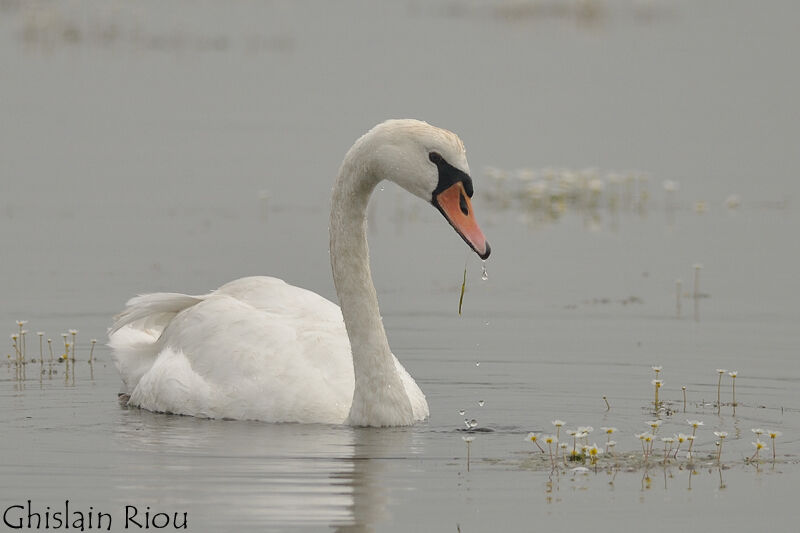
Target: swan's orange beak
x=456, y=207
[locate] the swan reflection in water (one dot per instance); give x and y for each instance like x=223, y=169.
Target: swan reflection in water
x=237, y=475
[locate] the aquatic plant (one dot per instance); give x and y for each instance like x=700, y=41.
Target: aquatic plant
x=680, y=438
x=657, y=383
x=722, y=435
x=720, y=371
x=668, y=441
x=773, y=434
x=564, y=447
x=647, y=439
x=41, y=338
x=575, y=434
x=548, y=194
x=593, y=452
x=468, y=441
x=610, y=446
x=654, y=425
x=695, y=424
x=582, y=436
x=15, y=344
x=463, y=288
x=683, y=389
x=608, y=431
x=74, y=333
x=550, y=440
x=558, y=424
x=22, y=332
x=535, y=439
x=21, y=360
x=733, y=375
x=759, y=445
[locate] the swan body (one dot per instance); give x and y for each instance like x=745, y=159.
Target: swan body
x=258, y=348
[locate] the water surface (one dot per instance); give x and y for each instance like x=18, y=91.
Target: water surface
x=149, y=147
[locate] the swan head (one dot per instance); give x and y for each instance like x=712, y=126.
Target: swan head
x=430, y=163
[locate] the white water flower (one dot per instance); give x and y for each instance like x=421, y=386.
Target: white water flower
x=654, y=424
x=593, y=451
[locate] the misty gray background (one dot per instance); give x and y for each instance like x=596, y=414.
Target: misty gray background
x=176, y=146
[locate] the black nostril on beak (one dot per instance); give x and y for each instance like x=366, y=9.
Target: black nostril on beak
x=462, y=203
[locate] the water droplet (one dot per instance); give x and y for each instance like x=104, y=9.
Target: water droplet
x=481, y=402
x=478, y=363
x=484, y=274
x=473, y=423
x=461, y=412
x=383, y=188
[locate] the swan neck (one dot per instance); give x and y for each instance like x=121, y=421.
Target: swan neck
x=379, y=397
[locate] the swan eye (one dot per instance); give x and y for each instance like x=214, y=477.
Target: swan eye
x=436, y=157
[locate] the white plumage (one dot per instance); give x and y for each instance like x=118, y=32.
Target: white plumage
x=258, y=348
x=233, y=353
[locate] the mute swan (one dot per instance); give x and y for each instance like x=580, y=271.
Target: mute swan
x=258, y=348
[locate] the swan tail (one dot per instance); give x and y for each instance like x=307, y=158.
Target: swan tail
x=152, y=312
x=133, y=338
